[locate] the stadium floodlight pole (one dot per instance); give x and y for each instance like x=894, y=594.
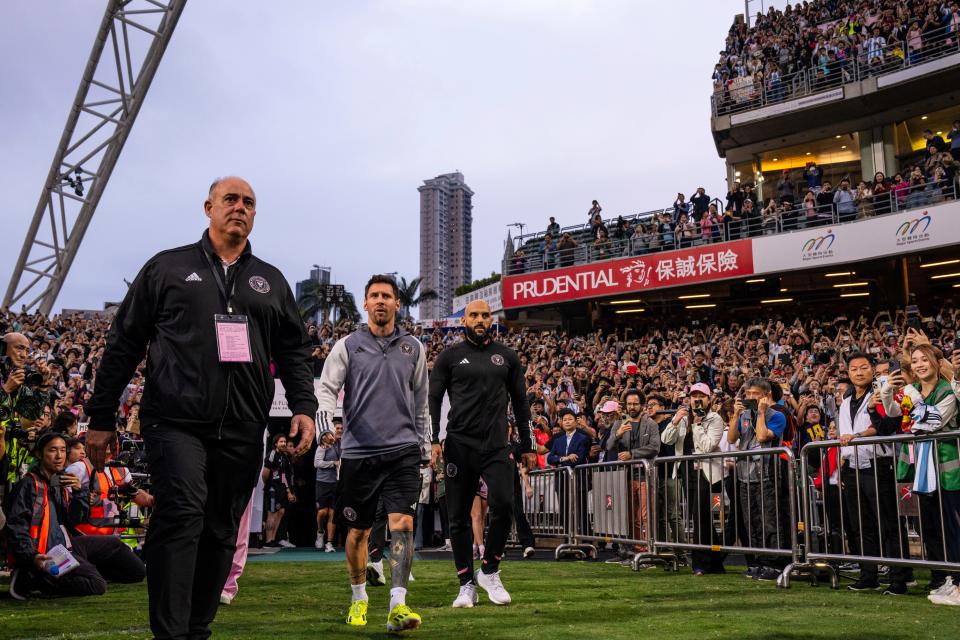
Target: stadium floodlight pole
x=108, y=100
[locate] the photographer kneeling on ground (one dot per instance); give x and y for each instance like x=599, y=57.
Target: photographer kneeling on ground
x=46, y=504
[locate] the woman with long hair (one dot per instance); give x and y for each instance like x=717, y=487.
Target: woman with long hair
x=934, y=467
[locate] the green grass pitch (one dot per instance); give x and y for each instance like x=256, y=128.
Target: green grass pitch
x=583, y=600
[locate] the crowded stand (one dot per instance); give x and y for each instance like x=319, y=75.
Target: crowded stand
x=614, y=396
x=800, y=199
x=813, y=46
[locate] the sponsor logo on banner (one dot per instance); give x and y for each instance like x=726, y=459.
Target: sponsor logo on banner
x=914, y=230
x=668, y=269
x=818, y=247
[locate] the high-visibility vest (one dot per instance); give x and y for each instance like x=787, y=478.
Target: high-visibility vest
x=40, y=519
x=98, y=524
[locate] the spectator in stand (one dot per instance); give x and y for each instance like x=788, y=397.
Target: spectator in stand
x=752, y=218
x=666, y=232
x=685, y=231
x=565, y=250
x=880, y=189
x=735, y=199
x=900, y=189
x=864, y=199
x=553, y=228
x=548, y=249
x=731, y=225
x=601, y=246
x=825, y=205
x=519, y=262
x=809, y=216
x=594, y=211
x=680, y=207
x=570, y=449
x=814, y=177
x=639, y=243
x=700, y=202
x=769, y=217
x=785, y=188
x=954, y=134
x=706, y=227
x=845, y=202
x=934, y=141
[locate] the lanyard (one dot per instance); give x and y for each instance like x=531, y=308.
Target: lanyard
x=218, y=277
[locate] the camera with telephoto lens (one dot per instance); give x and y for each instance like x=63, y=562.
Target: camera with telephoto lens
x=31, y=375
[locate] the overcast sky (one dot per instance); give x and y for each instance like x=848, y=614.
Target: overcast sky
x=337, y=111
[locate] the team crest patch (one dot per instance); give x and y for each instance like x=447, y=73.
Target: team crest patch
x=259, y=284
x=451, y=470
x=349, y=514
x=497, y=359
x=406, y=348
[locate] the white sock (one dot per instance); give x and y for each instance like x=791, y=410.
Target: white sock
x=359, y=591
x=398, y=595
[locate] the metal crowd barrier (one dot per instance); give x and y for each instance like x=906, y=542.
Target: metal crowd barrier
x=612, y=505
x=861, y=512
x=548, y=510
x=746, y=506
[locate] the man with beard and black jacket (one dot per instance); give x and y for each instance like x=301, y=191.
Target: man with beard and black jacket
x=210, y=318
x=481, y=376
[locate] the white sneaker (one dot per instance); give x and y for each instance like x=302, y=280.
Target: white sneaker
x=952, y=599
x=286, y=544
x=226, y=598
x=319, y=542
x=494, y=588
x=467, y=597
x=528, y=552
x=329, y=548
x=411, y=578
x=946, y=588
x=375, y=575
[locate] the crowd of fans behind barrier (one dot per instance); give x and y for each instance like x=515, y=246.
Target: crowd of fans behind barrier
x=804, y=360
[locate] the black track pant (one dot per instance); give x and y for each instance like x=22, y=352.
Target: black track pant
x=202, y=478
x=524, y=533
x=465, y=467
x=102, y=559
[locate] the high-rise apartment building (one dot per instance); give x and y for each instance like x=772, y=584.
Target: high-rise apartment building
x=446, y=243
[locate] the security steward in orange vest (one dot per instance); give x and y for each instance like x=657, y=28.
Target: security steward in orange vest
x=47, y=506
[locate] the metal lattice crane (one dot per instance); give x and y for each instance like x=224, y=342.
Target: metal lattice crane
x=136, y=33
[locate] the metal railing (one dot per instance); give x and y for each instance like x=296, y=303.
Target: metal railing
x=792, y=215
x=747, y=506
x=863, y=511
x=838, y=505
x=741, y=94
x=549, y=509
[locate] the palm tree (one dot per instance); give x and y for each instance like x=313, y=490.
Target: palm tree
x=348, y=308
x=312, y=300
x=411, y=295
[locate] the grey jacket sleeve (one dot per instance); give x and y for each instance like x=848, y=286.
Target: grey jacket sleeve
x=421, y=391
x=331, y=381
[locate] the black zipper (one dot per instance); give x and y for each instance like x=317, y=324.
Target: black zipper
x=226, y=404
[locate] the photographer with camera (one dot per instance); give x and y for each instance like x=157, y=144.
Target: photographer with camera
x=47, y=504
x=24, y=393
x=707, y=429
x=108, y=489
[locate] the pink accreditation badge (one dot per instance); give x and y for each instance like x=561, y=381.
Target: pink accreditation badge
x=233, y=338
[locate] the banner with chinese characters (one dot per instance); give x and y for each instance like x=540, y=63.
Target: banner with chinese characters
x=638, y=273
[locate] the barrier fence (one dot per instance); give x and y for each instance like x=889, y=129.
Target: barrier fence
x=790, y=516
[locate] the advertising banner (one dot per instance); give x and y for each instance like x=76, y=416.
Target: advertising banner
x=640, y=273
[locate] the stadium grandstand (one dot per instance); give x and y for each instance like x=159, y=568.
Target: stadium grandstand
x=842, y=183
